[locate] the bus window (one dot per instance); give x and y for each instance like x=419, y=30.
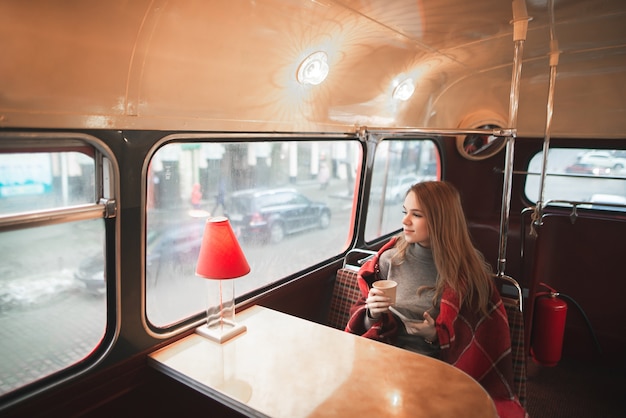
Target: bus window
x=285, y=201
x=38, y=181
x=581, y=175
x=398, y=165
x=50, y=316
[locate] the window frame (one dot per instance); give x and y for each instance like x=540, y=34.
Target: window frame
x=105, y=206
x=374, y=206
x=185, y=324
x=604, y=174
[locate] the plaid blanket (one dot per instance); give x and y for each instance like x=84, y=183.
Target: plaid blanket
x=480, y=346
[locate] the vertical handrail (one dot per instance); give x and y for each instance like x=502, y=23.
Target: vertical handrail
x=520, y=27
x=554, y=61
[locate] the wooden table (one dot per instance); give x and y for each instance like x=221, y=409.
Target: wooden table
x=284, y=366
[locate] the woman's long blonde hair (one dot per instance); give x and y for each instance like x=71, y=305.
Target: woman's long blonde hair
x=460, y=265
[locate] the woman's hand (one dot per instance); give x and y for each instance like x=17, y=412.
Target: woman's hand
x=425, y=329
x=377, y=303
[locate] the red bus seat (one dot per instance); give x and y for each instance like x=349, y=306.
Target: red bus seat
x=346, y=289
x=511, y=294
x=346, y=292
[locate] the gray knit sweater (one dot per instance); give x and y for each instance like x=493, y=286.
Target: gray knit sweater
x=418, y=269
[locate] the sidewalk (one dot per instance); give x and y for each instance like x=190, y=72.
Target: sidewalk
x=41, y=339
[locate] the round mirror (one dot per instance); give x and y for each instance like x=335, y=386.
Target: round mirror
x=479, y=146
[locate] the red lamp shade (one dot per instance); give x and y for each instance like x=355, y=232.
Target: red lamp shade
x=220, y=255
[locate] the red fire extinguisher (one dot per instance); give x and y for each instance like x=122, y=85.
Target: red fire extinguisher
x=548, y=327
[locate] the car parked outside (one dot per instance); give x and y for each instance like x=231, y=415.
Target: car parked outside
x=611, y=199
x=168, y=249
x=603, y=158
x=267, y=215
x=586, y=168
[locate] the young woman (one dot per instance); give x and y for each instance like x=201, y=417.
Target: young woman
x=446, y=302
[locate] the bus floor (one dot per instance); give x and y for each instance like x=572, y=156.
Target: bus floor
x=575, y=389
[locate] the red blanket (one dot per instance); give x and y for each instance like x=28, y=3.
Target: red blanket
x=480, y=346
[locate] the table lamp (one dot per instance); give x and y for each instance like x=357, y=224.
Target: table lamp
x=221, y=260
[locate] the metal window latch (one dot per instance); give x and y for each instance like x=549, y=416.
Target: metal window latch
x=574, y=214
x=110, y=207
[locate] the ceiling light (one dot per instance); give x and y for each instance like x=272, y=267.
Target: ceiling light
x=404, y=90
x=313, y=69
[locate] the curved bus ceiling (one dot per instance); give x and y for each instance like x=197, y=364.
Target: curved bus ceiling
x=231, y=65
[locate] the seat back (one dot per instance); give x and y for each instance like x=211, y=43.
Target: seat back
x=511, y=294
x=346, y=288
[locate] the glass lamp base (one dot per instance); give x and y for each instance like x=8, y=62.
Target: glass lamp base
x=220, y=333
